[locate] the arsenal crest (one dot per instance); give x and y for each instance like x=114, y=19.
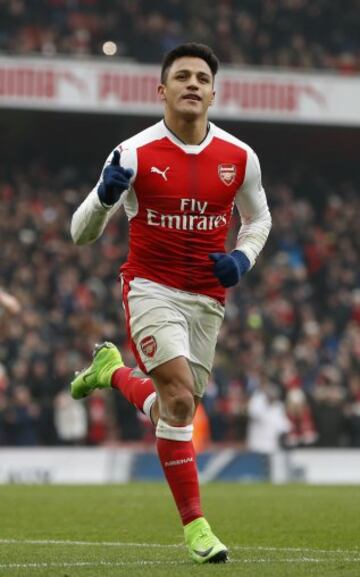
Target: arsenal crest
x=149, y=346
x=227, y=173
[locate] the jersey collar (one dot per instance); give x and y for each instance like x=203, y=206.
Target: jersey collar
x=189, y=148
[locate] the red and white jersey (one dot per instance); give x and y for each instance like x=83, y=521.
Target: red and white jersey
x=179, y=207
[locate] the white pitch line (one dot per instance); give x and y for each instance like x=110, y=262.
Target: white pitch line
x=145, y=563
x=87, y=564
x=86, y=543
x=172, y=546
x=296, y=550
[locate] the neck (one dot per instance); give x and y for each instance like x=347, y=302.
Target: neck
x=189, y=131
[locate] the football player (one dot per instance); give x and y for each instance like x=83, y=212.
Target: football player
x=177, y=181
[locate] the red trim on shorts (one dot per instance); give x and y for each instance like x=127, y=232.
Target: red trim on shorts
x=125, y=291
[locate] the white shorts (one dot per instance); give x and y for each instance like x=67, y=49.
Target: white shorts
x=165, y=323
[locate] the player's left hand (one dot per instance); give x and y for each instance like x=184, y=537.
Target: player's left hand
x=229, y=268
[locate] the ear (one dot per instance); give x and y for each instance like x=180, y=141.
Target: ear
x=212, y=98
x=161, y=90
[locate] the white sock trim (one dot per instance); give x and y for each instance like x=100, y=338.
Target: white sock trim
x=148, y=403
x=165, y=431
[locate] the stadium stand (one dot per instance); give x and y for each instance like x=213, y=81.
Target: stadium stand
x=307, y=34
x=295, y=322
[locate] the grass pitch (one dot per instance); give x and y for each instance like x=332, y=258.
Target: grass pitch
x=133, y=530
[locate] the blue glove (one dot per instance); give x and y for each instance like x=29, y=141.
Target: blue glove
x=115, y=180
x=229, y=268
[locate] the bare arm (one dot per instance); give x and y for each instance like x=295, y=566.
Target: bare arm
x=9, y=303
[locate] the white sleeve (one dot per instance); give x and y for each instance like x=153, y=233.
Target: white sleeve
x=254, y=211
x=91, y=217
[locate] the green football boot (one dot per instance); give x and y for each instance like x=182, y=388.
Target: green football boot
x=98, y=375
x=202, y=544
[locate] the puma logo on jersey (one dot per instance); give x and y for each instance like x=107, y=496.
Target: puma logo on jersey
x=162, y=172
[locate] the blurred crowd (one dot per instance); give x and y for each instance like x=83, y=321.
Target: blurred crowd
x=287, y=33
x=287, y=365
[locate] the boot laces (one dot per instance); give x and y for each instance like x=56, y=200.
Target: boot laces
x=206, y=537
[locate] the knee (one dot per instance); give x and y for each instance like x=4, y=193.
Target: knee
x=175, y=387
x=178, y=406
x=182, y=405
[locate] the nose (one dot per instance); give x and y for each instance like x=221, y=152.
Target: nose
x=193, y=83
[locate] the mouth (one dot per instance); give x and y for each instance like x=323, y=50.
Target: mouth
x=192, y=97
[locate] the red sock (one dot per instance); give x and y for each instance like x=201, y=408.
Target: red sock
x=179, y=464
x=135, y=389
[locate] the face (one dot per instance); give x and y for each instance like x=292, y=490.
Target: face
x=188, y=90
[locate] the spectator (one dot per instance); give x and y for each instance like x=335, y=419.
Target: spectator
x=328, y=403
x=70, y=419
x=352, y=410
x=268, y=423
x=294, y=316
x=20, y=417
x=302, y=432
x=304, y=34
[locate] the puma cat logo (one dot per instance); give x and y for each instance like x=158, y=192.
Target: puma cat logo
x=161, y=172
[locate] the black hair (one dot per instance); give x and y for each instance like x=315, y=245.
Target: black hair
x=189, y=49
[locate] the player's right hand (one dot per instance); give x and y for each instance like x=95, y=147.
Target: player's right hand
x=114, y=181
